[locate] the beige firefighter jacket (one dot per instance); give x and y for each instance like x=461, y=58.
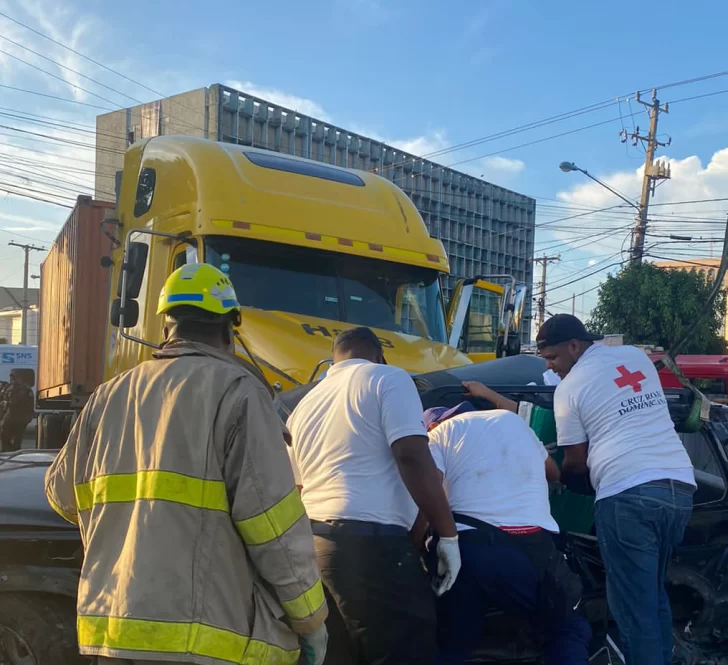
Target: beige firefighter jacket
x=197, y=545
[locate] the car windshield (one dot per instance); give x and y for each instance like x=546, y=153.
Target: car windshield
x=329, y=285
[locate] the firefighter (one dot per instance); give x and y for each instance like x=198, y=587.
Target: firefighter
x=16, y=411
x=197, y=546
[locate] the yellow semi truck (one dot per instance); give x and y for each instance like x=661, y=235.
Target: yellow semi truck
x=311, y=249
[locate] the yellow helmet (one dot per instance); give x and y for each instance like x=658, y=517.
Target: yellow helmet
x=199, y=285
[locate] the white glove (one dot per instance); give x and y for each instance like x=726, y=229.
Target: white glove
x=313, y=645
x=448, y=564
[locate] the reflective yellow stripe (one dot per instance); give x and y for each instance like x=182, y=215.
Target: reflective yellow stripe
x=160, y=485
x=178, y=638
x=273, y=522
x=308, y=603
x=66, y=516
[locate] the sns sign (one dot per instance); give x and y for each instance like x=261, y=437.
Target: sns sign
x=13, y=356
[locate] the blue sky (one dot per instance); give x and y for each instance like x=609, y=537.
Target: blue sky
x=424, y=74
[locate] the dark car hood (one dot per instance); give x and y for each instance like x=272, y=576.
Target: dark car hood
x=515, y=371
x=22, y=493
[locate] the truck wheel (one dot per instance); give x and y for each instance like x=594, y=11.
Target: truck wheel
x=38, y=629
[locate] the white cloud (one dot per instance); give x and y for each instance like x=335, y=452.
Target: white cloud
x=592, y=262
x=691, y=181
x=476, y=24
x=504, y=164
x=59, y=22
x=422, y=145
x=24, y=222
x=368, y=12
x=274, y=95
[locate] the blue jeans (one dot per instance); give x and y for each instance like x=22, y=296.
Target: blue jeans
x=637, y=531
x=494, y=575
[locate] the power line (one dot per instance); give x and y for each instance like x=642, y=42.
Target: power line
x=67, y=141
x=60, y=78
x=99, y=64
x=534, y=142
x=578, y=279
x=35, y=191
x=561, y=302
x=14, y=234
x=88, y=78
x=697, y=79
x=60, y=99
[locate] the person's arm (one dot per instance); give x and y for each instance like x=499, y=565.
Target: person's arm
x=553, y=474
x=572, y=437
x=419, y=530
x=424, y=482
x=267, y=508
x=404, y=429
x=59, y=479
x=574, y=468
x=476, y=389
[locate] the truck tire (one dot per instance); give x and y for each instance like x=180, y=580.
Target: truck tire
x=38, y=629
x=53, y=430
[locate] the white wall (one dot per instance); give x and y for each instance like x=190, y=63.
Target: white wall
x=11, y=326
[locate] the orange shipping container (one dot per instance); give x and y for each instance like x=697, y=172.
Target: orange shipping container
x=74, y=291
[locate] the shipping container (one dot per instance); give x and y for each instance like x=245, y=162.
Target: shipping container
x=74, y=291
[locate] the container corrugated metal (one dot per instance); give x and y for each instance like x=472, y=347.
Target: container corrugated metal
x=73, y=308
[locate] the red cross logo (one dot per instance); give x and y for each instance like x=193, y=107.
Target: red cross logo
x=631, y=379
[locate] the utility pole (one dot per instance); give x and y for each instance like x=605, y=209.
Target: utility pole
x=541, y=302
x=26, y=306
x=653, y=172
x=573, y=304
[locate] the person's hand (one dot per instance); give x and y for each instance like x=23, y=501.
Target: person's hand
x=313, y=645
x=448, y=564
x=476, y=389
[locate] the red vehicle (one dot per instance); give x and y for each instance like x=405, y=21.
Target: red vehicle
x=708, y=373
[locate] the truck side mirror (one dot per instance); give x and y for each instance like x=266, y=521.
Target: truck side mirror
x=131, y=313
x=136, y=262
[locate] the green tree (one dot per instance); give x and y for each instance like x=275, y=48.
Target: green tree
x=651, y=305
x=3, y=340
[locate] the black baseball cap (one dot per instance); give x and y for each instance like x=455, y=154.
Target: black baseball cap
x=563, y=328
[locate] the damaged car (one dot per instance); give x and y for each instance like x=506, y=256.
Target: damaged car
x=41, y=554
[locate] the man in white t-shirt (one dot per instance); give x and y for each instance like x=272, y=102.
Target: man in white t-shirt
x=495, y=473
x=361, y=451
x=613, y=421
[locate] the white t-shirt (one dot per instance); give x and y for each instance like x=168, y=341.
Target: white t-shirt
x=342, y=435
x=613, y=399
x=493, y=467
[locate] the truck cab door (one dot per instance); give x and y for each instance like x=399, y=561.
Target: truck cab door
x=484, y=318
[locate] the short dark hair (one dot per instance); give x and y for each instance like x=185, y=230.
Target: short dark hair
x=360, y=341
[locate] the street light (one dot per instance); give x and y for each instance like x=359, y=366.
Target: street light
x=568, y=167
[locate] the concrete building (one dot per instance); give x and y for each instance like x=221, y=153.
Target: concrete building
x=486, y=229
x=709, y=269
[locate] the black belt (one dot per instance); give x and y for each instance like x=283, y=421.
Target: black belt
x=356, y=528
x=668, y=483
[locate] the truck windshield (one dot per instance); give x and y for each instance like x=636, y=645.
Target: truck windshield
x=328, y=285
